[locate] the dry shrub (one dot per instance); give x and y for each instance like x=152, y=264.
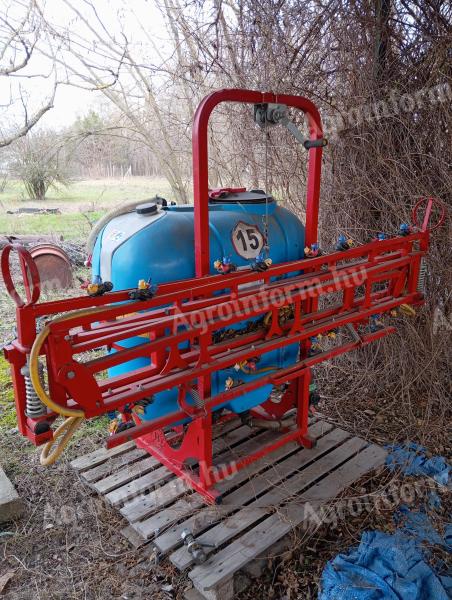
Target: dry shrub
x=377, y=76
x=377, y=170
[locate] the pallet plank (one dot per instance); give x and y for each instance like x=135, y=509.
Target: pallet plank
x=295, y=484
x=161, y=520
x=225, y=442
x=112, y=464
x=225, y=427
x=132, y=537
x=142, y=507
x=139, y=485
x=126, y=474
x=99, y=456
x=229, y=528
x=235, y=500
x=222, y=566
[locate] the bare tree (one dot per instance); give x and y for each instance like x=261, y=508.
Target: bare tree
x=40, y=161
x=102, y=147
x=20, y=29
x=108, y=63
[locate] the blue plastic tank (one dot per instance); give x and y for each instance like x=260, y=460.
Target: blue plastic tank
x=158, y=242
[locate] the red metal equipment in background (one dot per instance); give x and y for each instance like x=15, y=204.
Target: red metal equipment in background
x=369, y=280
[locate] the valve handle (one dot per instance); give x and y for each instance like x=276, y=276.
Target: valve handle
x=430, y=202
x=30, y=275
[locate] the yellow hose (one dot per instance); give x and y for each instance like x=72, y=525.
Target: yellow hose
x=36, y=380
x=75, y=416
x=67, y=430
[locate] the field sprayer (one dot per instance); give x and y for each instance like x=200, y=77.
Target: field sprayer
x=225, y=312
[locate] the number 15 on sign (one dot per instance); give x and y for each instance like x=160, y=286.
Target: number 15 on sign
x=247, y=239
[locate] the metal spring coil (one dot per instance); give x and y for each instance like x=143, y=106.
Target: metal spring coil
x=34, y=407
x=422, y=275
x=196, y=398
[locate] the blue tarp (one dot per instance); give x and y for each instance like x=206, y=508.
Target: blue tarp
x=411, y=459
x=393, y=566
x=383, y=567
x=417, y=524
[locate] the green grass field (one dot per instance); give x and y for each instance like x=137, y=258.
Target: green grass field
x=81, y=204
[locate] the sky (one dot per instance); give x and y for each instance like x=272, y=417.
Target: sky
x=69, y=104
x=140, y=20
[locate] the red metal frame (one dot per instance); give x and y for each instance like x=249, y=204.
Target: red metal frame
x=205, y=305
x=201, y=161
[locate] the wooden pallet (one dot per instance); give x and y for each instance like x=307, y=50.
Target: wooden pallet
x=262, y=504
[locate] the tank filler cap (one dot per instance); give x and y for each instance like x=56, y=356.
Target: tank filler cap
x=239, y=196
x=149, y=208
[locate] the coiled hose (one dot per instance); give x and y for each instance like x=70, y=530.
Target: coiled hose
x=51, y=452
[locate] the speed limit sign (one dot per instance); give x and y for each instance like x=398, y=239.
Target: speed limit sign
x=247, y=240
